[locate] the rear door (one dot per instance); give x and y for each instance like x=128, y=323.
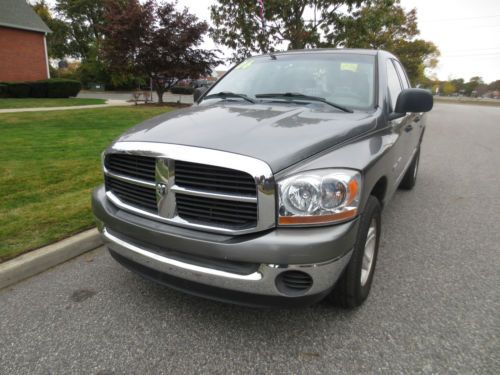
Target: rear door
x=400, y=126
x=415, y=123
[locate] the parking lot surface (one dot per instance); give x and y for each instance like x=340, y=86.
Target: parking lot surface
x=434, y=306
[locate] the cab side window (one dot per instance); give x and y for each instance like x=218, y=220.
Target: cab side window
x=393, y=84
x=402, y=74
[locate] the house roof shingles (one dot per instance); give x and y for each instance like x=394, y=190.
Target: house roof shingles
x=18, y=14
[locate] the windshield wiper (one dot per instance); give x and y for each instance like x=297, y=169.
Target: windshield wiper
x=293, y=95
x=228, y=94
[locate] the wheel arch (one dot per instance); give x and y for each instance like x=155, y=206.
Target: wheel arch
x=379, y=190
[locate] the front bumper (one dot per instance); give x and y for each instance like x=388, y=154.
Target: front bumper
x=194, y=261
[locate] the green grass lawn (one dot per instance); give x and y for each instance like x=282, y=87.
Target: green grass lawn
x=49, y=163
x=43, y=102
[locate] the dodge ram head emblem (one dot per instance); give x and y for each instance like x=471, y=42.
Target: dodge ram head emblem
x=161, y=189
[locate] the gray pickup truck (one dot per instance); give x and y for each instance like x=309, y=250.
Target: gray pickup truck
x=267, y=191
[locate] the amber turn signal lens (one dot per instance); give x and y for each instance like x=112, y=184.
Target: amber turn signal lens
x=352, y=190
x=320, y=219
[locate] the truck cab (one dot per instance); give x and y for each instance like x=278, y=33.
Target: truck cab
x=268, y=191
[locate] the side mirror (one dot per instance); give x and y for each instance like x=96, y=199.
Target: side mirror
x=414, y=100
x=198, y=93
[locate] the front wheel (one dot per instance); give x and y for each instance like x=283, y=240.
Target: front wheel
x=354, y=285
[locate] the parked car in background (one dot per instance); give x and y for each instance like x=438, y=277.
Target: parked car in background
x=197, y=83
x=269, y=189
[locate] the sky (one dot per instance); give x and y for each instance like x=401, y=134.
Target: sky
x=466, y=32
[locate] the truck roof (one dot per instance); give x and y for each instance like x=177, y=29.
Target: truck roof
x=359, y=51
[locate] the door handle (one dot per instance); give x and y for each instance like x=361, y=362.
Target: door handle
x=408, y=128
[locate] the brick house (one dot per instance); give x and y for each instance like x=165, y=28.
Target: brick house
x=23, y=48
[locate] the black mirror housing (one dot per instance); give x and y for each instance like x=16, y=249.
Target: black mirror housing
x=414, y=100
x=198, y=93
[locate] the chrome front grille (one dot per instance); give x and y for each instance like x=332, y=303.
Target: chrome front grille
x=168, y=183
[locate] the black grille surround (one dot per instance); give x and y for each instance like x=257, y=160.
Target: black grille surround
x=217, y=211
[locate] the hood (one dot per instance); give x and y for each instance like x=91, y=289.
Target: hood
x=279, y=134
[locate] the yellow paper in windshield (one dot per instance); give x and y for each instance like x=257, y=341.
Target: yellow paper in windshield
x=349, y=66
x=245, y=64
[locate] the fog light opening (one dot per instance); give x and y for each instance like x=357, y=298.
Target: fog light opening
x=294, y=283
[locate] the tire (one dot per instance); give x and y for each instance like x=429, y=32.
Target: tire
x=354, y=285
x=410, y=177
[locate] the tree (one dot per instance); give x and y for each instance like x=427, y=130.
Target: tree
x=449, y=88
x=494, y=86
x=384, y=24
x=156, y=41
x=58, y=39
x=481, y=89
x=85, y=19
x=459, y=83
x=472, y=85
x=375, y=24
x=238, y=25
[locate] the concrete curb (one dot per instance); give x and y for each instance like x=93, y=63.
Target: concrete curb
x=39, y=260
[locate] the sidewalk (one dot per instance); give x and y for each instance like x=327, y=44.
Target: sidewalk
x=127, y=95
x=110, y=103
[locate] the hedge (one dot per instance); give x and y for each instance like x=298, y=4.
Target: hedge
x=63, y=88
x=182, y=90
x=49, y=88
x=4, y=90
x=39, y=89
x=18, y=90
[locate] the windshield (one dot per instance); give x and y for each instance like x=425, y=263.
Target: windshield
x=341, y=78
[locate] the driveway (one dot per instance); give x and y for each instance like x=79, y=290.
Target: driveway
x=434, y=306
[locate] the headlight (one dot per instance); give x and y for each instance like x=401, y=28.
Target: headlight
x=320, y=196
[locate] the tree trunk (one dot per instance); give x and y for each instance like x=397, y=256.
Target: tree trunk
x=160, y=92
x=159, y=87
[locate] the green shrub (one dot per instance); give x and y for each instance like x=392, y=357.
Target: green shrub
x=39, y=89
x=62, y=88
x=4, y=90
x=19, y=90
x=182, y=90
x=49, y=88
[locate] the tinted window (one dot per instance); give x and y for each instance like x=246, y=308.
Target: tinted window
x=393, y=83
x=402, y=74
x=343, y=78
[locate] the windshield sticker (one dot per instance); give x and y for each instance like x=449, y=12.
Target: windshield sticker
x=245, y=64
x=349, y=66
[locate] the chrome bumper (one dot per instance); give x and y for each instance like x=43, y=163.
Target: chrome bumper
x=261, y=282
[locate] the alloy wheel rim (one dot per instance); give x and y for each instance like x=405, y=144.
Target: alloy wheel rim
x=369, y=252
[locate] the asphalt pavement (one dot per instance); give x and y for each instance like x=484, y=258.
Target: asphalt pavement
x=434, y=306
